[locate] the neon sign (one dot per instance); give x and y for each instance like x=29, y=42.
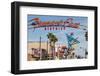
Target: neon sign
x=54, y=25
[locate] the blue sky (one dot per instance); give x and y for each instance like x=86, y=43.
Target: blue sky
x=60, y=34
x=76, y=19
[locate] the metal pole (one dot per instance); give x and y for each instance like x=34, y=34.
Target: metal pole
x=40, y=49
x=47, y=49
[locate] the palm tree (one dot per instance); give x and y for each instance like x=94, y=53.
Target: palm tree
x=52, y=40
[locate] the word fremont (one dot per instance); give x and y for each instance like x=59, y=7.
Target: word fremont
x=54, y=25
